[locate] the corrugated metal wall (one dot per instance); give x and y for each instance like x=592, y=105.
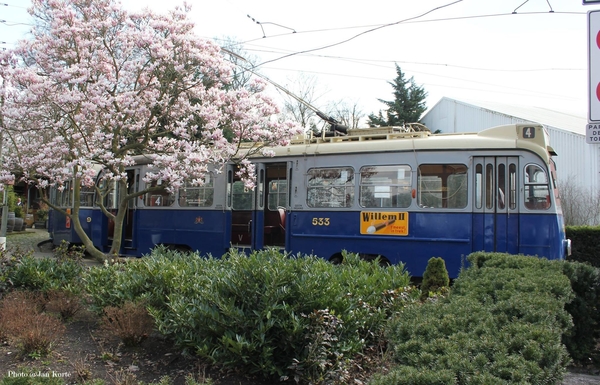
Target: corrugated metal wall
x=576, y=161
x=451, y=116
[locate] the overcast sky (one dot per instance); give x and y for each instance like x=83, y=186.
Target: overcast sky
x=468, y=50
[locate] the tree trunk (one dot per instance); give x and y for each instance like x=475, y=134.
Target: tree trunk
x=118, y=220
x=87, y=242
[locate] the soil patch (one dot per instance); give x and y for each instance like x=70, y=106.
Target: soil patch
x=87, y=352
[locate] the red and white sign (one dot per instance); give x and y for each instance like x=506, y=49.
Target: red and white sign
x=594, y=65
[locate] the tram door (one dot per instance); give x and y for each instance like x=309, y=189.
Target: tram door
x=133, y=180
x=495, y=208
x=258, y=216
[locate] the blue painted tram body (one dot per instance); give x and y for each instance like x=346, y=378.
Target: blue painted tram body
x=403, y=196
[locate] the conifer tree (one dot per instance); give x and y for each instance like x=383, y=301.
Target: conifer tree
x=407, y=106
x=435, y=277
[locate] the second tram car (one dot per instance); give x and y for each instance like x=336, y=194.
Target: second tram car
x=402, y=196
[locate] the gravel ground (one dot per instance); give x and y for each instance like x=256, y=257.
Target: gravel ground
x=31, y=238
x=27, y=240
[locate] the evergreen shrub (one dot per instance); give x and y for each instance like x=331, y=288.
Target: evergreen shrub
x=150, y=279
x=435, y=277
x=45, y=274
x=584, y=244
x=582, y=341
x=501, y=324
x=250, y=311
x=256, y=312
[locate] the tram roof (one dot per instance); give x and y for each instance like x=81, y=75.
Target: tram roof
x=532, y=137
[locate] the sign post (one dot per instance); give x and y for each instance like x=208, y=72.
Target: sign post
x=593, y=127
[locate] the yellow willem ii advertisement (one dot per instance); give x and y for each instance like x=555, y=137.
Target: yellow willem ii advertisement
x=383, y=223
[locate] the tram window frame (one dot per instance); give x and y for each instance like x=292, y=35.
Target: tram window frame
x=330, y=187
x=554, y=184
x=62, y=198
x=278, y=194
x=385, y=186
x=478, y=186
x=489, y=186
x=532, y=187
x=66, y=195
x=242, y=198
x=512, y=185
x=434, y=181
x=501, y=169
x=202, y=195
x=158, y=198
x=87, y=196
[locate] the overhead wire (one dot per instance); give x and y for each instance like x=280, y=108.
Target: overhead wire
x=362, y=33
x=408, y=21
x=374, y=61
x=12, y=24
x=462, y=80
x=411, y=20
x=416, y=20
x=12, y=6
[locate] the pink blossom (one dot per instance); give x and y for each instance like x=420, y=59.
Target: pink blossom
x=96, y=86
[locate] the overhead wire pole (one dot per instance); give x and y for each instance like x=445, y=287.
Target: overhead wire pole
x=336, y=127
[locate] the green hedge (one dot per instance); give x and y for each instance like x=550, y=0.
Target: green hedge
x=584, y=308
x=582, y=340
x=265, y=313
x=44, y=274
x=278, y=315
x=151, y=279
x=501, y=324
x=584, y=244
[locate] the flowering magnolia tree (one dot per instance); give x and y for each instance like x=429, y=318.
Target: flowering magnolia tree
x=95, y=86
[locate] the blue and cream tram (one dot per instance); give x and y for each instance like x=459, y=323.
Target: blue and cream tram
x=403, y=196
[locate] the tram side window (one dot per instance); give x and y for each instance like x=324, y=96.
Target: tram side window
x=86, y=197
x=278, y=194
x=330, y=187
x=385, y=186
x=553, y=179
x=512, y=184
x=62, y=198
x=158, y=198
x=108, y=190
x=197, y=196
x=537, y=193
x=442, y=186
x=242, y=197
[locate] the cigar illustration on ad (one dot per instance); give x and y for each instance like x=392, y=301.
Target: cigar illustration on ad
x=373, y=228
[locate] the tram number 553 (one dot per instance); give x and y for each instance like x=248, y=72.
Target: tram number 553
x=320, y=221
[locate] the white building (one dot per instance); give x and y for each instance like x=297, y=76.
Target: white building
x=577, y=161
